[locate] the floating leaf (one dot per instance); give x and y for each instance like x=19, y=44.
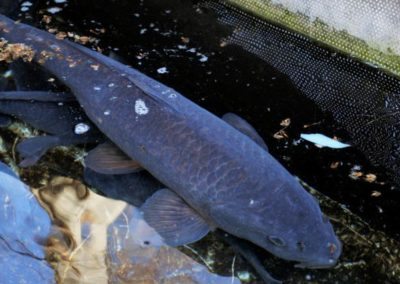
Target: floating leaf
x=323, y=141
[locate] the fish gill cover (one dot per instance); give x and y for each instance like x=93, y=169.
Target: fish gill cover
x=367, y=30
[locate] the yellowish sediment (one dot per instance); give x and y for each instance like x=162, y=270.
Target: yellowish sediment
x=10, y=52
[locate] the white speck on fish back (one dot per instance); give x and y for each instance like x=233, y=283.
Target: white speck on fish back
x=172, y=96
x=81, y=128
x=54, y=10
x=96, y=88
x=141, y=108
x=111, y=85
x=107, y=112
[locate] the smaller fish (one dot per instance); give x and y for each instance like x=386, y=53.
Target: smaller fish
x=321, y=140
x=60, y=117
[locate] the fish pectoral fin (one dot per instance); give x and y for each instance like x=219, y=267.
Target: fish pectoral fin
x=244, y=127
x=32, y=149
x=172, y=218
x=110, y=160
x=39, y=96
x=5, y=120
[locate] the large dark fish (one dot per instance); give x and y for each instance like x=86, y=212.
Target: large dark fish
x=364, y=100
x=217, y=176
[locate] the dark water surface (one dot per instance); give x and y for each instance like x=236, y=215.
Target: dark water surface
x=182, y=45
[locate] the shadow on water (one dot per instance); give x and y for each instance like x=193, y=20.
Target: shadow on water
x=182, y=44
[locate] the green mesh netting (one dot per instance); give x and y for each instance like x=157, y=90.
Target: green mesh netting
x=367, y=29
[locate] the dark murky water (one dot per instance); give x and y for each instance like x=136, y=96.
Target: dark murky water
x=181, y=45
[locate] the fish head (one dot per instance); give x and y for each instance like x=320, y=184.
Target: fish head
x=288, y=223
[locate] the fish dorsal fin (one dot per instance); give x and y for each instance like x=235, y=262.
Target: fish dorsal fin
x=39, y=96
x=109, y=159
x=172, y=218
x=244, y=127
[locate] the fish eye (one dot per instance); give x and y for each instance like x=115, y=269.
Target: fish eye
x=276, y=241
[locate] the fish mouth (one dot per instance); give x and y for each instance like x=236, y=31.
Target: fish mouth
x=317, y=265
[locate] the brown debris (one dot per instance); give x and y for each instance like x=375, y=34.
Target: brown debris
x=44, y=55
x=281, y=134
x=356, y=175
x=376, y=193
x=370, y=177
x=46, y=19
x=185, y=39
x=10, y=52
x=61, y=35
x=84, y=39
x=285, y=122
x=334, y=165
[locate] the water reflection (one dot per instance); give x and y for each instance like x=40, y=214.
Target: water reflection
x=101, y=240
x=23, y=224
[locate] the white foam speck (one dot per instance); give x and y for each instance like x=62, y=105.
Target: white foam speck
x=81, y=128
x=111, y=85
x=162, y=70
x=54, y=10
x=107, y=112
x=24, y=8
x=203, y=58
x=8, y=74
x=26, y=3
x=96, y=88
x=141, y=108
x=60, y=1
